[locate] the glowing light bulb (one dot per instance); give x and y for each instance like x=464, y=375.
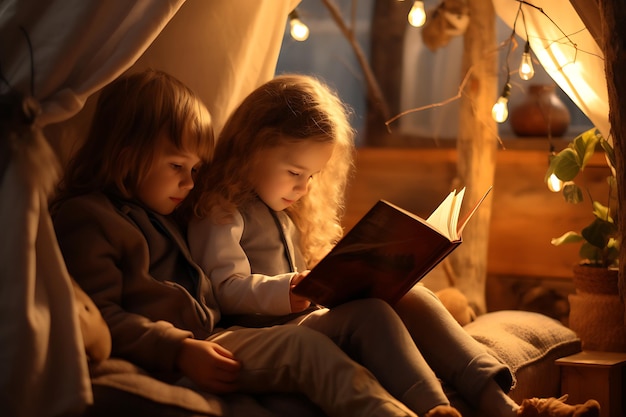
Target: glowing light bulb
x=500, y=110
x=299, y=31
x=417, y=15
x=526, y=70
x=554, y=183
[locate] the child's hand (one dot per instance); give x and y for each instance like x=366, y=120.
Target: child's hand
x=298, y=303
x=209, y=365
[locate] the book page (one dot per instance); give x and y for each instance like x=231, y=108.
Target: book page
x=454, y=214
x=447, y=212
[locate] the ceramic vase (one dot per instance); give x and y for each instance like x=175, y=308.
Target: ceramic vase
x=541, y=113
x=596, y=311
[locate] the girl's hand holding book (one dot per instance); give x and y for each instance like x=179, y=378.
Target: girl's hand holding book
x=297, y=302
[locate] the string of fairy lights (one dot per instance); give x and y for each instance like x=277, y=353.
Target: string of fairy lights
x=300, y=31
x=417, y=18
x=500, y=110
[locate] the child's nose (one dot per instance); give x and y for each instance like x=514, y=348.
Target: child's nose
x=187, y=182
x=302, y=185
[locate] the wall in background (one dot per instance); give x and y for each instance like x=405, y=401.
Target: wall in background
x=328, y=55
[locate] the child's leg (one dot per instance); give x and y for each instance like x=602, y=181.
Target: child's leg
x=297, y=359
x=373, y=334
x=465, y=364
x=453, y=354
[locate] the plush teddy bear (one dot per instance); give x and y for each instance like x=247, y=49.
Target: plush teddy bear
x=457, y=304
x=95, y=332
x=549, y=407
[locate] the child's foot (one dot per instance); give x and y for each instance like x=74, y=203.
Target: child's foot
x=443, y=411
x=556, y=407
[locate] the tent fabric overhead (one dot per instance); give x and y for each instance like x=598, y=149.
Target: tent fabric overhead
x=77, y=48
x=222, y=49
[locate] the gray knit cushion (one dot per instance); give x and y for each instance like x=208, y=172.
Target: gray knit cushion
x=529, y=343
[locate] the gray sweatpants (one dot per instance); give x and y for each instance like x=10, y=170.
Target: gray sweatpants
x=298, y=359
x=413, y=349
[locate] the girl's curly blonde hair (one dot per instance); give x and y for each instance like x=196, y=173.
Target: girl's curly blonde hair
x=289, y=107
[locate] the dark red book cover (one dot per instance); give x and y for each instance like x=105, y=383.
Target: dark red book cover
x=385, y=254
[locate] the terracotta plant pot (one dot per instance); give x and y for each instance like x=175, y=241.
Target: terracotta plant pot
x=542, y=112
x=595, y=280
x=596, y=311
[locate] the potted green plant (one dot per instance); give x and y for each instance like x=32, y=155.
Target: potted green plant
x=599, y=240
x=596, y=313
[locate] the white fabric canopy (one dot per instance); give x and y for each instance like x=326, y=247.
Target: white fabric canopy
x=78, y=46
x=221, y=48
x=566, y=50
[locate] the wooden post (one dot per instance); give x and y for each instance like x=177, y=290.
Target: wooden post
x=477, y=144
x=613, y=16
x=389, y=22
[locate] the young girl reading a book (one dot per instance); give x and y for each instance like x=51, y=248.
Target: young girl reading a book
x=268, y=209
x=149, y=136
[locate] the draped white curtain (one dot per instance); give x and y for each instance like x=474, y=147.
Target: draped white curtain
x=430, y=77
x=78, y=46
x=221, y=48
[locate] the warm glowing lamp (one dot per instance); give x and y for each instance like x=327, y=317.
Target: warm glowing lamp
x=417, y=15
x=526, y=70
x=500, y=110
x=299, y=31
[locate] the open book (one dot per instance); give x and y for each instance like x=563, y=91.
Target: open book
x=386, y=253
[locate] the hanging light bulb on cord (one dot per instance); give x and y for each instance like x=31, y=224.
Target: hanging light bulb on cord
x=526, y=70
x=417, y=15
x=298, y=30
x=554, y=183
x=500, y=110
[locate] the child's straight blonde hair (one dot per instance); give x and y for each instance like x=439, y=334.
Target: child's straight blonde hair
x=131, y=114
x=286, y=109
